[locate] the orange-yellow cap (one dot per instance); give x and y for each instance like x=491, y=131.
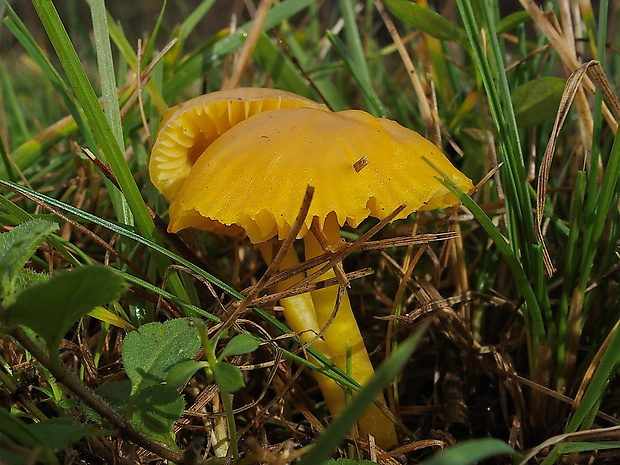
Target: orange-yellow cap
x=254, y=176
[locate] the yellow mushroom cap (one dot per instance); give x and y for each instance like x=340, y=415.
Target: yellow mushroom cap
x=254, y=176
x=189, y=128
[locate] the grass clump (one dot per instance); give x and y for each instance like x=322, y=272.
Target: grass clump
x=519, y=304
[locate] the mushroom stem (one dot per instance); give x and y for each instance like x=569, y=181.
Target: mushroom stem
x=301, y=318
x=343, y=333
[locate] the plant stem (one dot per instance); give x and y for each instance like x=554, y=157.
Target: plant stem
x=224, y=394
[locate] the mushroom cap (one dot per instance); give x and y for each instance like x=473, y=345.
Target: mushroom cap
x=189, y=128
x=254, y=176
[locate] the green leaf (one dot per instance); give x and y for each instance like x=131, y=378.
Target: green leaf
x=52, y=307
x=182, y=372
x=27, y=277
x=16, y=431
x=116, y=394
x=16, y=248
x=239, y=345
x=59, y=433
x=537, y=100
x=155, y=410
x=426, y=20
x=228, y=377
x=150, y=352
x=471, y=452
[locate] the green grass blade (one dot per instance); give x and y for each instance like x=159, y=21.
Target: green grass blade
x=218, y=47
x=518, y=205
x=109, y=95
x=355, y=46
x=8, y=167
x=24, y=155
x=19, y=129
x=519, y=211
x=189, y=24
x=570, y=270
x=595, y=212
x=117, y=34
x=472, y=451
x=148, y=48
x=31, y=150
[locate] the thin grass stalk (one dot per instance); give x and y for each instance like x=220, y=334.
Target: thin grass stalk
x=109, y=96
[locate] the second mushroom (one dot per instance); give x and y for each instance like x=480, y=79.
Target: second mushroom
x=252, y=176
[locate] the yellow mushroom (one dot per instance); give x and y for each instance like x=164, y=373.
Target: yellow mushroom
x=253, y=178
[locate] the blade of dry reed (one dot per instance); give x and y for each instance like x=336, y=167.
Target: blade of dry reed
x=259, y=301
x=594, y=69
x=572, y=85
x=431, y=120
x=597, y=74
x=419, y=239
x=248, y=47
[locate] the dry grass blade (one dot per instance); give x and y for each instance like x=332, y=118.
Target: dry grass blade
x=431, y=120
x=597, y=73
x=249, y=45
x=593, y=366
x=596, y=434
x=418, y=239
x=296, y=290
x=572, y=85
x=338, y=256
